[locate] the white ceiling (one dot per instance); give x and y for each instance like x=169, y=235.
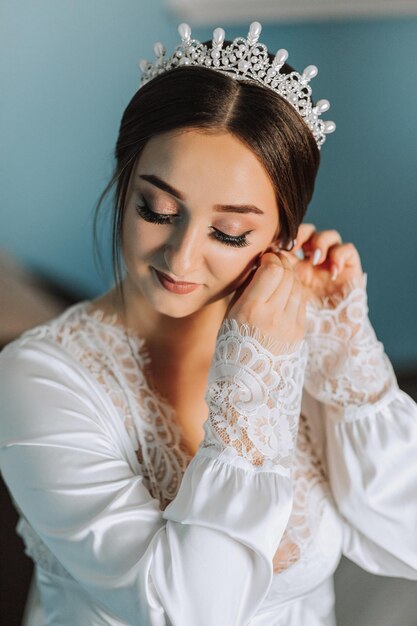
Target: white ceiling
x=214, y=12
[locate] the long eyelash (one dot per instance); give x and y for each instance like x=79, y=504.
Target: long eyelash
x=238, y=242
x=147, y=214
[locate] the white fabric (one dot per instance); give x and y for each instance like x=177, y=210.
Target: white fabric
x=310, y=451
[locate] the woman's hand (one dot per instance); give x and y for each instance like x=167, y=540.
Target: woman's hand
x=338, y=263
x=273, y=300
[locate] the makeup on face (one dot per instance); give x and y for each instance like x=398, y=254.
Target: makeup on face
x=191, y=224
x=152, y=210
x=174, y=287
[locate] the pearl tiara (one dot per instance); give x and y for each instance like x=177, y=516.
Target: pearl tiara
x=245, y=59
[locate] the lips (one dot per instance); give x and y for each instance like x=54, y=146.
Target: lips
x=173, y=286
x=175, y=282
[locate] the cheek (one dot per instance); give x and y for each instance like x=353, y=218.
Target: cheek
x=140, y=238
x=233, y=266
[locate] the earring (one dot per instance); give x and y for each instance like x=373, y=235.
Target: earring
x=276, y=247
x=292, y=244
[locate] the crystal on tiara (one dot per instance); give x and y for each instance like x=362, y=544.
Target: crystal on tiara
x=246, y=59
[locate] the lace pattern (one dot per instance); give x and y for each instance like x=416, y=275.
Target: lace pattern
x=117, y=359
x=347, y=365
x=254, y=399
x=311, y=489
x=266, y=371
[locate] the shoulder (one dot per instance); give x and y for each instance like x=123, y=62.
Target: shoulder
x=47, y=396
x=39, y=375
x=60, y=340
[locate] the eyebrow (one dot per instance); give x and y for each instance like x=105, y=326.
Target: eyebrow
x=227, y=208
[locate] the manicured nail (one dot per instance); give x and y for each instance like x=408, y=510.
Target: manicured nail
x=335, y=272
x=317, y=255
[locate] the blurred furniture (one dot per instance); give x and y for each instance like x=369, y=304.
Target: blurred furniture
x=26, y=299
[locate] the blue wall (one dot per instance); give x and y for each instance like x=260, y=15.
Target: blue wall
x=67, y=71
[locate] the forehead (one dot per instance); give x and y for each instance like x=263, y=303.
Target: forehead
x=218, y=167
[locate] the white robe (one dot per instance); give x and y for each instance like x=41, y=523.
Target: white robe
x=310, y=452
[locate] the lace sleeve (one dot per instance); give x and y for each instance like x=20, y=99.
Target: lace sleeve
x=347, y=365
x=254, y=398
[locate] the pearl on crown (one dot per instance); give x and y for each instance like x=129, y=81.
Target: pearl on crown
x=246, y=58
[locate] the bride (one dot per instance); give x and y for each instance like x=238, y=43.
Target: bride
x=200, y=444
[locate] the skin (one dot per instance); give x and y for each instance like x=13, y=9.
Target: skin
x=186, y=249
x=338, y=263
x=208, y=170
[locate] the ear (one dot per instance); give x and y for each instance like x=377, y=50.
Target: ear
x=277, y=244
x=289, y=247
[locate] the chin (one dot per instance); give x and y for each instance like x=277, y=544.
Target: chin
x=179, y=306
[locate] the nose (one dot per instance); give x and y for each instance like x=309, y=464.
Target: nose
x=183, y=252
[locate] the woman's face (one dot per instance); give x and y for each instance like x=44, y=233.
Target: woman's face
x=201, y=188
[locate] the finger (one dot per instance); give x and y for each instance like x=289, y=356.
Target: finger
x=306, y=246
x=266, y=278
x=303, y=235
x=288, y=255
x=295, y=300
x=301, y=312
x=342, y=256
x=279, y=297
x=320, y=243
x=285, y=258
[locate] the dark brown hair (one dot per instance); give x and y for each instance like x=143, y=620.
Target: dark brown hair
x=200, y=98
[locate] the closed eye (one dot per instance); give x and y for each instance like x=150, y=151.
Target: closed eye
x=158, y=218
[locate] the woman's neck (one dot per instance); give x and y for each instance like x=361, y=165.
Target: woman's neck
x=193, y=336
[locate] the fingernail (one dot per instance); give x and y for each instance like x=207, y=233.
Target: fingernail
x=335, y=272
x=317, y=255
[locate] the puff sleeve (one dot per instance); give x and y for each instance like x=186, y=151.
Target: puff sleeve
x=370, y=429
x=67, y=470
